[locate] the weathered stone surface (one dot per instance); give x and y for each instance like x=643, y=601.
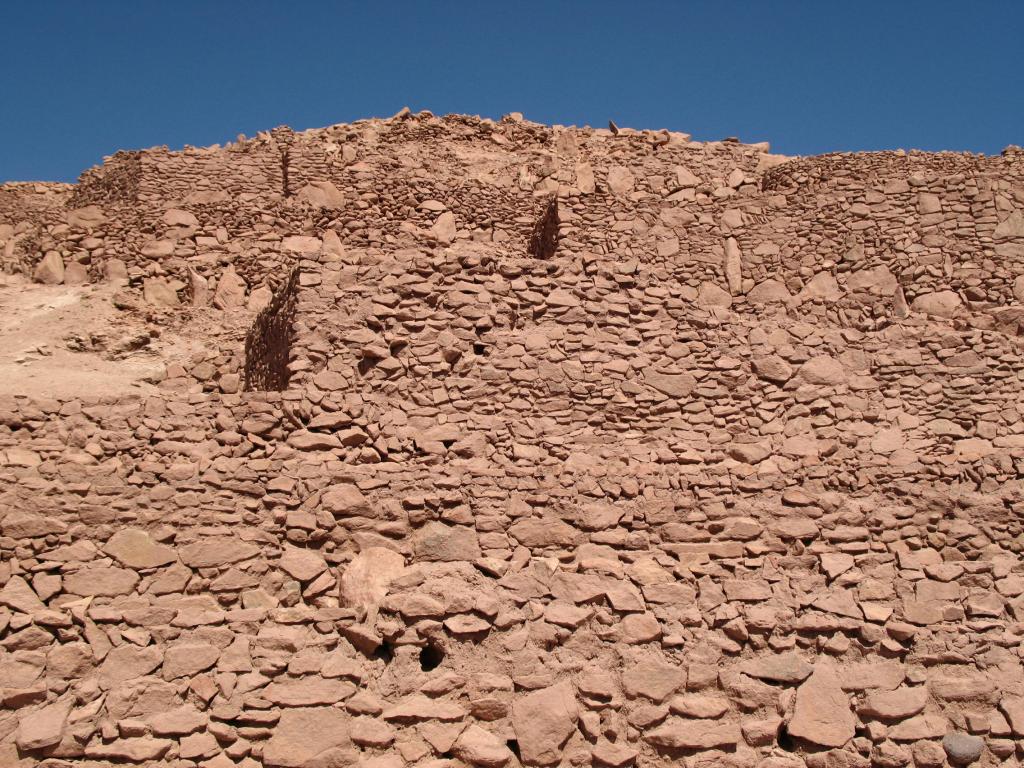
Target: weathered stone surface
x=322, y=194
x=365, y=580
x=230, y=290
x=653, y=679
x=216, y=550
x=895, y=705
x=477, y=746
x=137, y=549
x=127, y=662
x=42, y=728
x=306, y=734
x=187, y=659
x=106, y=581
x=672, y=384
x=620, y=180
x=543, y=720
x=17, y=594
x=963, y=748
x=302, y=564
x=780, y=668
x=440, y=542
x=135, y=749
x=822, y=714
x=50, y=269
x=678, y=733
x=940, y=304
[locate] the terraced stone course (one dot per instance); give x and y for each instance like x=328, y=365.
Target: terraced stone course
x=489, y=443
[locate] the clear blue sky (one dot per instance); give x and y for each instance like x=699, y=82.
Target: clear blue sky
x=79, y=79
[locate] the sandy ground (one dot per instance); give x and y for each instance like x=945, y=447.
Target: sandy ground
x=72, y=341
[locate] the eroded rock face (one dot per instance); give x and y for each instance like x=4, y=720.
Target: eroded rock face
x=715, y=474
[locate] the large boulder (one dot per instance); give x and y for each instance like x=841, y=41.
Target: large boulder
x=50, y=269
x=322, y=194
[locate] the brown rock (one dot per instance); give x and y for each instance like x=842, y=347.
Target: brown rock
x=17, y=594
x=188, y=659
x=543, y=720
x=939, y=304
x=477, y=746
x=322, y=194
x=822, y=714
x=127, y=662
x=305, y=735
x=365, y=580
x=894, y=705
x=100, y=580
x=439, y=542
x=42, y=728
x=678, y=385
x=230, y=290
x=136, y=549
x=772, y=368
x=307, y=691
x=679, y=733
x=302, y=564
x=823, y=370
x=779, y=668
x=50, y=269
x=212, y=551
x=653, y=679
x=136, y=750
x=159, y=293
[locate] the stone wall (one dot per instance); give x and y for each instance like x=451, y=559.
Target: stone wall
x=734, y=475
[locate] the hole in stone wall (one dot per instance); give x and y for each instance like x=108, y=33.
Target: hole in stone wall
x=431, y=657
x=366, y=364
x=513, y=746
x=385, y=652
x=783, y=739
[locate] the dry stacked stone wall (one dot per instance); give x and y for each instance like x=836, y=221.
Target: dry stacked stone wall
x=732, y=475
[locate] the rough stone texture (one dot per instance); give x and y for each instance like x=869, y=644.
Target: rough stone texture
x=505, y=444
x=822, y=714
x=543, y=722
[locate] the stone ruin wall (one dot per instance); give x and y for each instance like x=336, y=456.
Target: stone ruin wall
x=696, y=486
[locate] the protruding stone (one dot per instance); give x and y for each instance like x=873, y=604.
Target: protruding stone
x=963, y=748
x=50, y=269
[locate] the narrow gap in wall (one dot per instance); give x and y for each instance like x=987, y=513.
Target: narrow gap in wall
x=285, y=160
x=544, y=238
x=385, y=652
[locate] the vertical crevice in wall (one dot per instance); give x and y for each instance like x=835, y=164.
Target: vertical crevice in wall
x=285, y=160
x=269, y=342
x=283, y=137
x=544, y=238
